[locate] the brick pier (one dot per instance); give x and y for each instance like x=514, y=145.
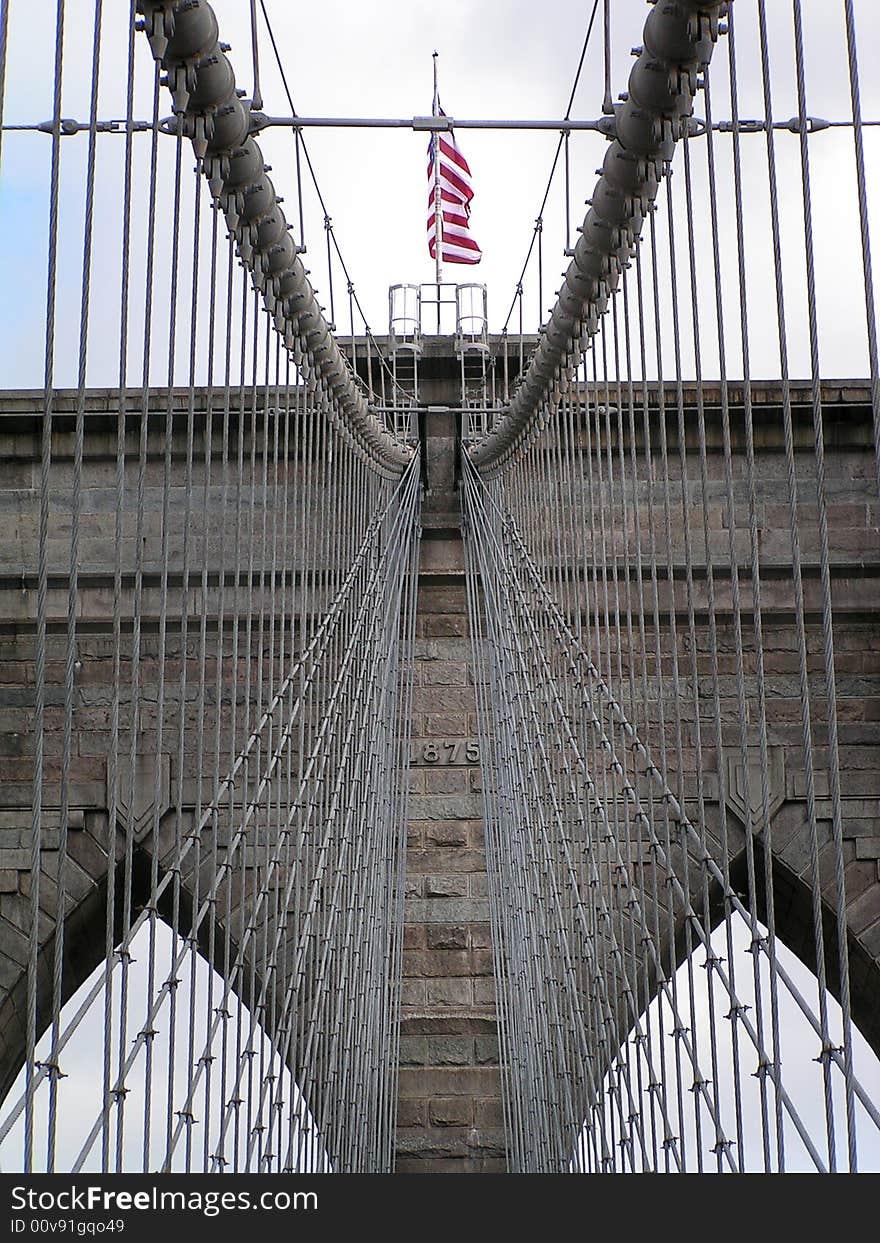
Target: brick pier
x=450, y=1116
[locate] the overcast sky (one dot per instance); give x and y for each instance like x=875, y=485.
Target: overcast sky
x=802, y=1074
x=500, y=59
x=503, y=59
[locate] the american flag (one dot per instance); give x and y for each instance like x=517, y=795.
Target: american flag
x=456, y=193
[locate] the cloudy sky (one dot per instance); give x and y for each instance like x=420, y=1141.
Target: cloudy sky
x=802, y=1074
x=499, y=59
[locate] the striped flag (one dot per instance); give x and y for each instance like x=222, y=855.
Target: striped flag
x=456, y=193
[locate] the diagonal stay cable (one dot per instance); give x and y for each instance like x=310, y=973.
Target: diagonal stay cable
x=224, y=866
x=331, y=234
x=309, y=659
x=559, y=146
x=678, y=813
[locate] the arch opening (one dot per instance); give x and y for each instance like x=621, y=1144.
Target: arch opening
x=694, y=1086
x=193, y=1080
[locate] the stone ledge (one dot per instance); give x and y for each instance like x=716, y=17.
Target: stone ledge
x=479, y=1021
x=451, y=1141
x=441, y=522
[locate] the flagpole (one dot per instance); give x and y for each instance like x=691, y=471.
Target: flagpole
x=438, y=198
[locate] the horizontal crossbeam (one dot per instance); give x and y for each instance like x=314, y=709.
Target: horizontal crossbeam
x=600, y=125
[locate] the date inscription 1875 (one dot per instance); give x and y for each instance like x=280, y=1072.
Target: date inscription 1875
x=462, y=751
